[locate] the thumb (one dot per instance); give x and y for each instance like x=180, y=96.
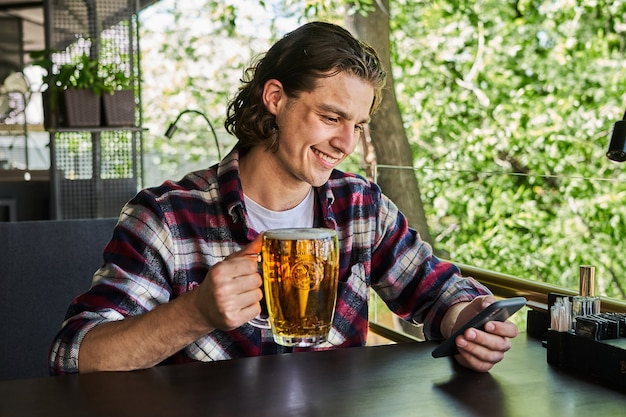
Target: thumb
x=251, y=249
x=486, y=301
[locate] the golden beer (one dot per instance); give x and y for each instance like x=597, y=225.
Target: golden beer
x=300, y=274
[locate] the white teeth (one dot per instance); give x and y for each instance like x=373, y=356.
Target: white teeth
x=326, y=157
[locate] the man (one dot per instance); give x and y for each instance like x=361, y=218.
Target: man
x=180, y=280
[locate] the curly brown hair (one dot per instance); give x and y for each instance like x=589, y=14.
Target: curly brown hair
x=313, y=51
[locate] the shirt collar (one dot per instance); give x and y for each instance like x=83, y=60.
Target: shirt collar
x=232, y=192
x=230, y=185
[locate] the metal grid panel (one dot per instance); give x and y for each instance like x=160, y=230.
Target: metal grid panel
x=105, y=30
x=74, y=155
x=118, y=154
x=96, y=170
x=88, y=20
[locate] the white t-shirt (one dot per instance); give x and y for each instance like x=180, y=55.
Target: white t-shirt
x=262, y=219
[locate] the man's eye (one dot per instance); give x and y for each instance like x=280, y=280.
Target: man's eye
x=359, y=128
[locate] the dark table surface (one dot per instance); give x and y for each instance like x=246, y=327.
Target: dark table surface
x=395, y=380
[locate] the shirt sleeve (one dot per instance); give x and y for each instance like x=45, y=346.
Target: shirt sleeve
x=414, y=283
x=135, y=277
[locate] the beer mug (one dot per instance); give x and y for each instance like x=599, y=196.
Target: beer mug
x=300, y=274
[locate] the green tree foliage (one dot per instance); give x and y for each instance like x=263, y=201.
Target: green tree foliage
x=508, y=106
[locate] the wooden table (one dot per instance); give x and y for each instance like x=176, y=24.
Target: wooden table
x=395, y=380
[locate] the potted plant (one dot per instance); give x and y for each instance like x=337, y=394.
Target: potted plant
x=119, y=100
x=82, y=95
x=73, y=90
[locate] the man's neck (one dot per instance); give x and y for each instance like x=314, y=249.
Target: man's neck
x=265, y=186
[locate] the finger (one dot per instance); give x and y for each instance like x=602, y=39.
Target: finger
x=233, y=305
x=486, y=340
x=477, y=305
x=504, y=329
x=486, y=300
x=249, y=312
x=245, y=298
x=484, y=346
x=477, y=363
x=242, y=281
x=232, y=319
x=481, y=302
x=229, y=271
x=249, y=285
x=479, y=357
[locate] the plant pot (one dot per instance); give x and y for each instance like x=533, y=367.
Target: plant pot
x=119, y=108
x=82, y=108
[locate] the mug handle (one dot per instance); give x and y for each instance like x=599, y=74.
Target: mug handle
x=262, y=320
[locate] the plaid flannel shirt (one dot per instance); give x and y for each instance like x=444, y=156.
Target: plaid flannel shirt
x=168, y=237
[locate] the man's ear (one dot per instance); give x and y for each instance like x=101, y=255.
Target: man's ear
x=273, y=94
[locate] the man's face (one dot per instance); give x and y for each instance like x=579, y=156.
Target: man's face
x=320, y=128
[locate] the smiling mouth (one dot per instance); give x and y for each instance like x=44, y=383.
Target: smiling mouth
x=326, y=158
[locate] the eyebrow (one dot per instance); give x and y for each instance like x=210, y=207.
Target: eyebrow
x=332, y=109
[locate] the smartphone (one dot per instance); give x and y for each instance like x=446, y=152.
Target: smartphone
x=498, y=311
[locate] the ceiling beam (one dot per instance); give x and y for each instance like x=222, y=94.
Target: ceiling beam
x=20, y=5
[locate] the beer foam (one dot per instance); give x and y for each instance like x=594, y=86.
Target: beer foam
x=304, y=233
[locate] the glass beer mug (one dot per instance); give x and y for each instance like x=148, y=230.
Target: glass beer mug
x=300, y=274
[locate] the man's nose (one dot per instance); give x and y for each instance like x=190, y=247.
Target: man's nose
x=349, y=137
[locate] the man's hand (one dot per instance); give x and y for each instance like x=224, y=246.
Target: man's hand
x=230, y=293
x=481, y=350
